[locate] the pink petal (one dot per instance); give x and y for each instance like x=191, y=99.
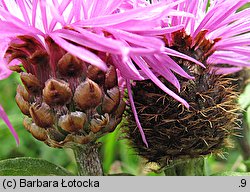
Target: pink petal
x=135, y=113
x=34, y=10
x=162, y=69
x=173, y=65
x=4, y=117
x=181, y=55
x=205, y=21
x=217, y=20
x=17, y=22
x=108, y=20
x=225, y=70
x=154, y=32
x=150, y=74
x=24, y=11
x=142, y=41
x=104, y=7
x=127, y=68
x=228, y=60
x=57, y=17
x=64, y=4
x=44, y=15
x=96, y=41
x=237, y=49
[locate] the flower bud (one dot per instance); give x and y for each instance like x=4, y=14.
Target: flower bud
x=87, y=95
x=23, y=105
x=111, y=100
x=110, y=78
x=70, y=66
x=97, y=124
x=72, y=122
x=31, y=83
x=42, y=115
x=95, y=74
x=56, y=92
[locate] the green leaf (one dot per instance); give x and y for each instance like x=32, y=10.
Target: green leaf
x=247, y=163
x=244, y=100
x=231, y=173
x=26, y=166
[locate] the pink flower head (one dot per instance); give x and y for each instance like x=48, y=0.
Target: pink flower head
x=96, y=31
x=117, y=32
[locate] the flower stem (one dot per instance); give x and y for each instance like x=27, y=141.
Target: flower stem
x=188, y=167
x=87, y=159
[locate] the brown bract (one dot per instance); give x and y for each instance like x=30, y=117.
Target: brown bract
x=111, y=100
x=56, y=92
x=70, y=66
x=31, y=83
x=23, y=105
x=95, y=74
x=42, y=115
x=87, y=95
x=72, y=122
x=111, y=78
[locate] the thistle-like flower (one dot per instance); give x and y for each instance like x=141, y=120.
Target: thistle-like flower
x=217, y=37
x=68, y=54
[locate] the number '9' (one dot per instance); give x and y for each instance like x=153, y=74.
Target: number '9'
x=243, y=182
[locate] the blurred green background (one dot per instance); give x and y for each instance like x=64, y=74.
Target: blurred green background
x=116, y=154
